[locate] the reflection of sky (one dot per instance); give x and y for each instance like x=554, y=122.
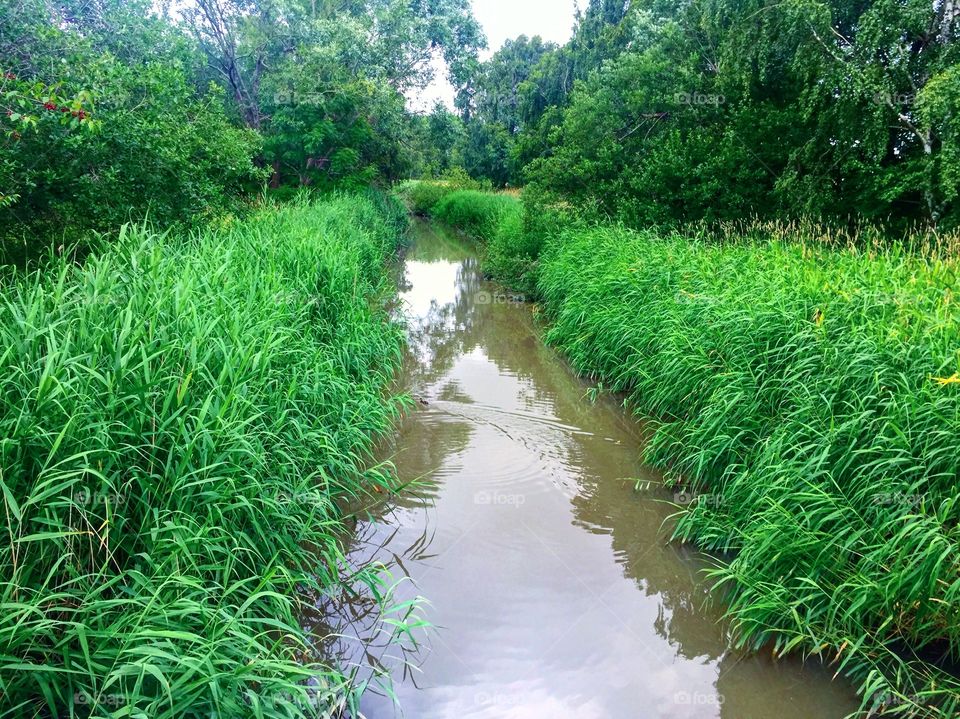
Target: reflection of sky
x=435, y=283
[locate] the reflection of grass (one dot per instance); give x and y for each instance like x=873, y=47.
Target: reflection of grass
x=228, y=387
x=805, y=389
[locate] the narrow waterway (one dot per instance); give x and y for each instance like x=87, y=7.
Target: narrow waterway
x=552, y=588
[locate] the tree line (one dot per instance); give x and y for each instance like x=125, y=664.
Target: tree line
x=112, y=110
x=720, y=109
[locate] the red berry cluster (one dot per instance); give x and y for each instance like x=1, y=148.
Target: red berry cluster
x=49, y=106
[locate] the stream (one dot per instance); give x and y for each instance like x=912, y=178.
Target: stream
x=551, y=585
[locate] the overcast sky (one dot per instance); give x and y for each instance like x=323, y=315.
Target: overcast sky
x=503, y=20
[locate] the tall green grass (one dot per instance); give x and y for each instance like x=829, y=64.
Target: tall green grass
x=180, y=419
x=805, y=390
x=809, y=399
x=476, y=213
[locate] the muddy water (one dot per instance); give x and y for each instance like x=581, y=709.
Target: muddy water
x=552, y=589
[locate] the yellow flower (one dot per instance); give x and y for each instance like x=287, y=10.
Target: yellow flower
x=944, y=381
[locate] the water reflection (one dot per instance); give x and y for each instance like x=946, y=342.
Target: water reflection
x=551, y=585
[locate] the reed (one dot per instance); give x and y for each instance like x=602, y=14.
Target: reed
x=808, y=399
x=181, y=421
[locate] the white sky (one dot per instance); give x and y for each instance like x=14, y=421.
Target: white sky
x=503, y=20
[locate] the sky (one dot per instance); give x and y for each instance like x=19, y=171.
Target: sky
x=503, y=20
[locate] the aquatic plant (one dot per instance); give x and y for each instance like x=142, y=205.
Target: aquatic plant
x=181, y=421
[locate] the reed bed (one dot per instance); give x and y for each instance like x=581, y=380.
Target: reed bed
x=180, y=421
x=808, y=402
x=804, y=386
x=476, y=213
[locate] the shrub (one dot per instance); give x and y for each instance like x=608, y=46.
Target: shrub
x=157, y=150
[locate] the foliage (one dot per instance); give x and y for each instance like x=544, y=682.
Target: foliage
x=435, y=143
x=497, y=109
x=422, y=196
x=92, y=139
x=181, y=420
x=475, y=212
x=182, y=116
x=807, y=399
x=324, y=81
x=664, y=112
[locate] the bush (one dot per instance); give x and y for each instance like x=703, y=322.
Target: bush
x=90, y=140
x=181, y=419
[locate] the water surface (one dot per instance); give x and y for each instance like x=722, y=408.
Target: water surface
x=551, y=584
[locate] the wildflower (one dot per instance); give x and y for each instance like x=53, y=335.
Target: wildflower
x=944, y=381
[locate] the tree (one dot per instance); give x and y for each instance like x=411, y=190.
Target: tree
x=92, y=139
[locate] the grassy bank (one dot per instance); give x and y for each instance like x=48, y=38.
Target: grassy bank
x=807, y=411
x=496, y=220
x=180, y=418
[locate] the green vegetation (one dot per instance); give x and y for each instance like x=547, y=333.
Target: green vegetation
x=805, y=393
x=116, y=110
x=741, y=214
x=477, y=213
x=808, y=402
x=723, y=109
x=182, y=418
